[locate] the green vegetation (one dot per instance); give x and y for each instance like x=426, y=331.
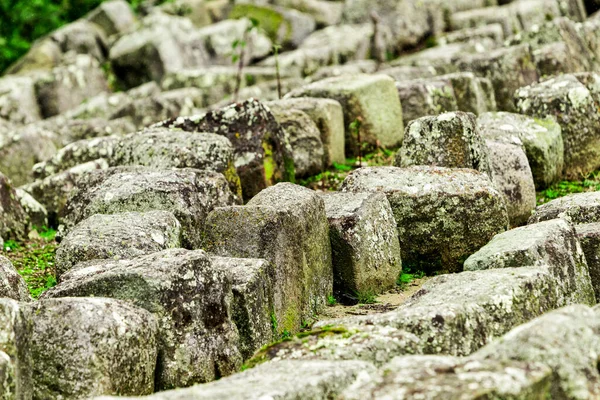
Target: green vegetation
x=34, y=261
x=407, y=276
x=366, y=297
x=331, y=301
x=334, y=176
x=590, y=183
x=24, y=21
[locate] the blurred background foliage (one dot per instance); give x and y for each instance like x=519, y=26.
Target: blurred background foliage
x=24, y=21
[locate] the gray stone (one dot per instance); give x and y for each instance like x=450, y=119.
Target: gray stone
x=15, y=344
x=286, y=225
x=188, y=193
x=117, y=236
x=318, y=380
x=262, y=154
x=575, y=107
x=197, y=11
x=512, y=176
x=508, y=69
x=18, y=101
x=165, y=148
x=220, y=81
x=329, y=117
x=553, y=244
x=566, y=341
x=252, y=306
x=505, y=16
x=305, y=140
x=371, y=99
x=21, y=148
x=14, y=223
x=162, y=44
x=589, y=237
x=443, y=215
x=75, y=154
x=541, y=139
x=69, y=84
x=352, y=67
x=81, y=37
x=422, y=97
x=38, y=216
x=364, y=242
x=53, y=191
x=286, y=26
x=452, y=314
x=219, y=37
x=325, y=13
x=191, y=299
x=408, y=72
x=579, y=208
x=449, y=140
x=554, y=59
x=437, y=377
x=493, y=31
x=44, y=54
x=84, y=347
x=67, y=130
x=473, y=94
x=114, y=17
x=12, y=285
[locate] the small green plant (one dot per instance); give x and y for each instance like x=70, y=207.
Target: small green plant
x=276, y=49
x=274, y=324
x=331, y=301
x=589, y=183
x=407, y=276
x=239, y=54
x=366, y=297
x=11, y=245
x=285, y=335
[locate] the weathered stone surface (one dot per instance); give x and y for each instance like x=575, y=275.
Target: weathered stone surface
x=541, y=139
x=69, y=84
x=191, y=299
x=364, y=242
x=84, y=347
x=18, y=102
x=219, y=37
x=69, y=130
x=199, y=12
x=218, y=82
x=493, y=31
x=589, y=237
x=443, y=215
x=286, y=26
x=371, y=99
x=554, y=59
x=575, y=108
x=508, y=69
x=505, y=16
x=325, y=13
x=165, y=148
x=12, y=285
x=285, y=224
x=15, y=343
x=318, y=380
x=452, y=314
x=408, y=72
x=80, y=37
x=162, y=44
x=188, y=193
x=252, y=306
x=113, y=17
x=579, y=208
x=21, y=148
x=350, y=68
x=262, y=155
x=512, y=176
x=565, y=340
x=38, y=216
x=52, y=192
x=305, y=140
x=75, y=154
x=449, y=140
x=44, y=54
x=473, y=94
x=329, y=117
x=422, y=97
x=436, y=377
x=551, y=243
x=117, y=236
x=13, y=218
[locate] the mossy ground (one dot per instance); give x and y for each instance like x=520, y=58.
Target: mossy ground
x=589, y=183
x=34, y=260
